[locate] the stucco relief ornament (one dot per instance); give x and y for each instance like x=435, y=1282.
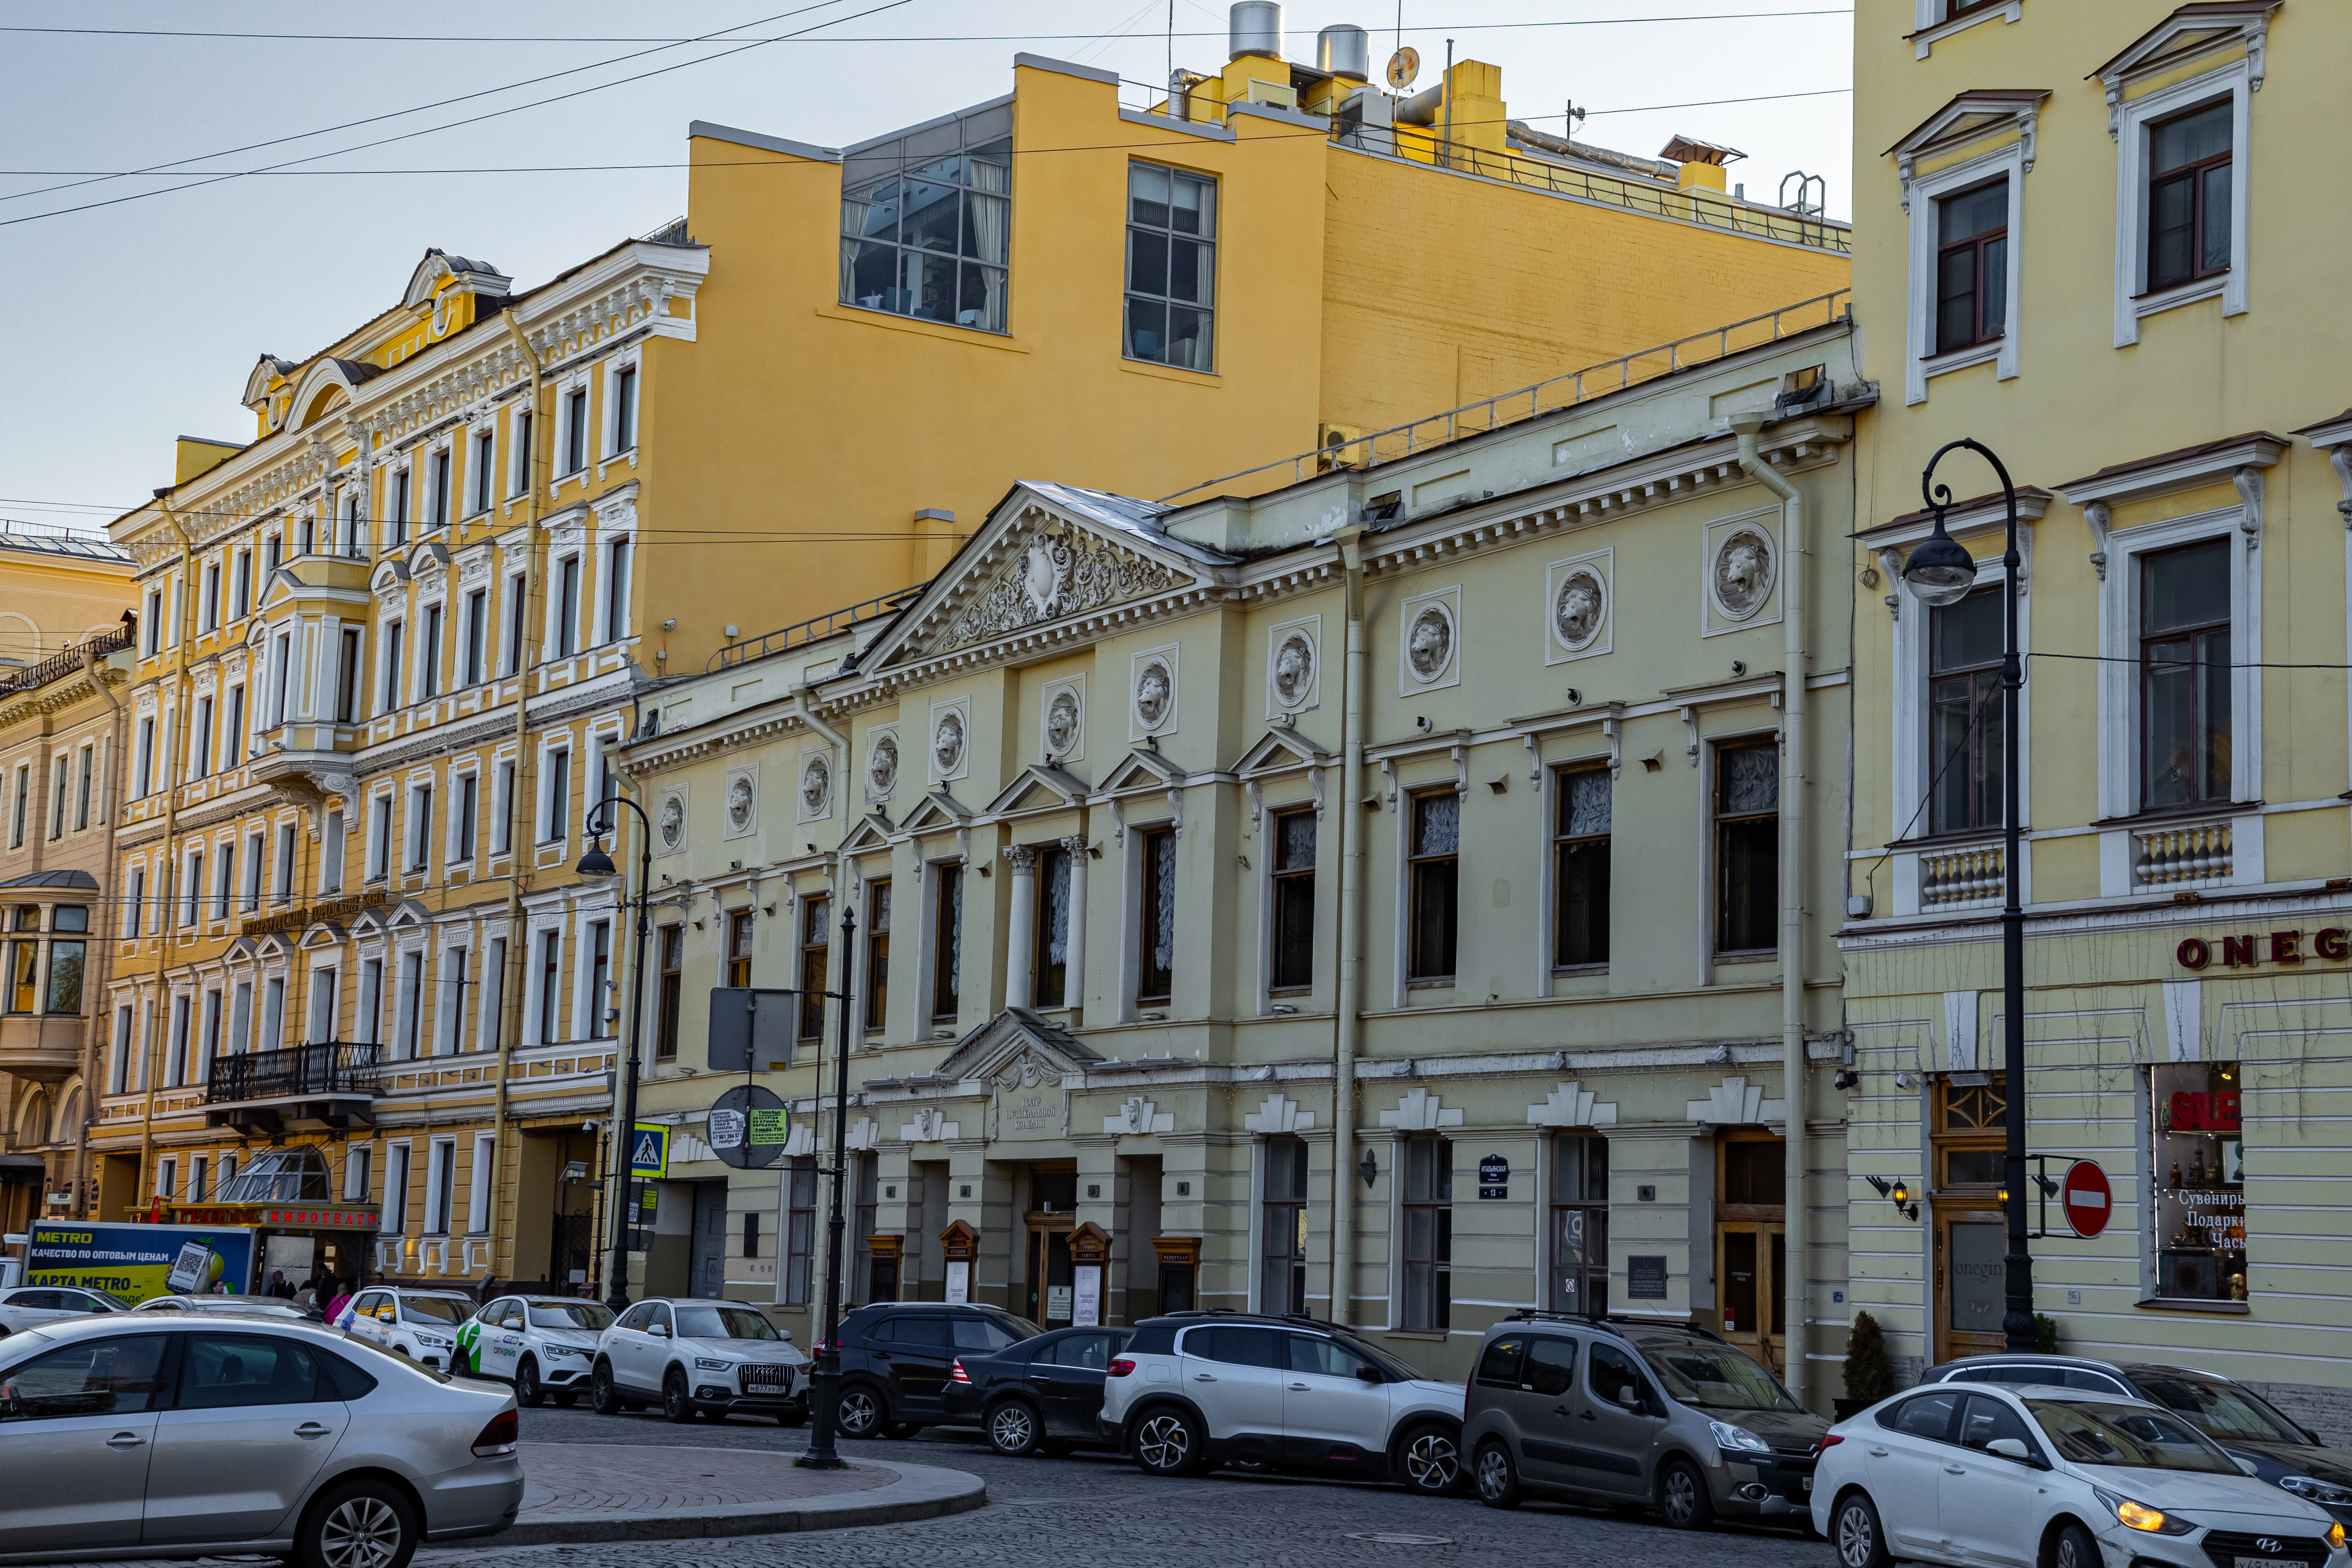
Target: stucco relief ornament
x=673, y=822
x=1062, y=725
x=1055, y=575
x=1743, y=573
x=1151, y=693
x=739, y=804
x=946, y=742
x=1429, y=644
x=882, y=766
x=816, y=785
x=1577, y=614
x=1293, y=670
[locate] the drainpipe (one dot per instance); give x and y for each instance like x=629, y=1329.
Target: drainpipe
x=1793, y=867
x=512, y=982
x=94, y=1066
x=171, y=868
x=841, y=967
x=1344, y=1006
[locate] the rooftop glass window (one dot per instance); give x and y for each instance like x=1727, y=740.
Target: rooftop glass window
x=926, y=222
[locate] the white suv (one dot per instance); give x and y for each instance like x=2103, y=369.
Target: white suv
x=419, y=1324
x=1196, y=1389
x=696, y=1358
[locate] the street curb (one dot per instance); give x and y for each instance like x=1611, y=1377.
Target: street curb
x=921, y=1491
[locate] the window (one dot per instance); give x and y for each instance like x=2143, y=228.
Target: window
x=58, y=783
x=1580, y=1224
x=66, y=954
x=392, y=631
x=1972, y=266
x=409, y=1015
x=192, y=893
x=440, y=488
x=212, y=596
x=134, y=907
x=484, y=441
x=428, y=652
x=399, y=517
x=176, y=1064
x=420, y=826
x=931, y=240
x=2199, y=1172
x=232, y=742
x=1747, y=847
x=672, y=992
x=551, y=961
x=494, y=1001
x=242, y=600
x=1964, y=643
x=357, y=1168
x=576, y=431
x=281, y=657
x=1583, y=812
x=307, y=541
x=331, y=854
x=1171, y=266
x=817, y=923
x=2190, y=172
x=1434, y=885
x=864, y=1170
x=444, y=1182
x=1052, y=939
x=20, y=805
x=2185, y=676
x=469, y=796
x=146, y=769
x=24, y=972
x=86, y=769
x=799, y=1228
x=600, y=977
x=878, y=953
x=226, y=881
x=1293, y=938
x=283, y=890
x=502, y=810
x=520, y=453
x=347, y=678
x=380, y=838
x=738, y=948
x=617, y=591
x=395, y=1190
x=352, y=546
x=197, y=1171
x=367, y=1018
x=95, y=1377
x=559, y=797
x=751, y=1233
x=624, y=409
x=478, y=636
x=567, y=607
x=1282, y=1224
x=1155, y=957
x=514, y=622
x=1428, y=1235
x=947, y=945
x=155, y=621
x=326, y=994
x=202, y=766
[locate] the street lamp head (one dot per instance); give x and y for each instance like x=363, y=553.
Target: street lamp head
x=1939, y=571
x=596, y=863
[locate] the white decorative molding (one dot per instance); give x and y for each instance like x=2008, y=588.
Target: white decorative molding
x=1278, y=1113
x=1138, y=1116
x=1419, y=1111
x=930, y=1126
x=1736, y=1102
x=864, y=1134
x=1572, y=1105
x=801, y=1141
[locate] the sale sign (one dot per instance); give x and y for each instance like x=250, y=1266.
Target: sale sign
x=2195, y=1110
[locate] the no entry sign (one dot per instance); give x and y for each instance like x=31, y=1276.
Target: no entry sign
x=2086, y=1198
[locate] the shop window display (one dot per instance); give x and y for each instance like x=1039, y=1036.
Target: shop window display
x=2200, y=1183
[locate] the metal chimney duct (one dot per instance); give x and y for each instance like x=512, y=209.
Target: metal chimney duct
x=1256, y=28
x=1344, y=51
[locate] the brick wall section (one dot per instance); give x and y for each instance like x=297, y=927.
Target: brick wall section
x=2326, y=1411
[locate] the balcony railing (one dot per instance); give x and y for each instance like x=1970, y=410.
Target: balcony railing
x=2177, y=856
x=815, y=629
x=330, y=1068
x=64, y=662
x=1961, y=877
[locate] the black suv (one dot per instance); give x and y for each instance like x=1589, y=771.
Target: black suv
x=896, y=1357
x=1044, y=1394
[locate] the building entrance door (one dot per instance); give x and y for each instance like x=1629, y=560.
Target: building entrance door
x=707, y=1276
x=1968, y=1151
x=1052, y=1293
x=1971, y=1279
x=1751, y=1249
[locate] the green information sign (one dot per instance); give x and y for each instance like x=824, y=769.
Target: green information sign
x=771, y=1125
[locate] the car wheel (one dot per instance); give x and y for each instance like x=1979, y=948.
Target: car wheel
x=528, y=1392
x=2075, y=1549
x=565, y=1401
x=603, y=1398
x=1169, y=1442
x=861, y=1414
x=1861, y=1542
x=365, y=1524
x=1431, y=1461
x=1012, y=1429
x=676, y=1404
x=1497, y=1477
x=1683, y=1495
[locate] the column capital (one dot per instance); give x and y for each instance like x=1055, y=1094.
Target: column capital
x=1022, y=858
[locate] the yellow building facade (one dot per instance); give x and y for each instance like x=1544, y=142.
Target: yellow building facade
x=391, y=643
x=2095, y=258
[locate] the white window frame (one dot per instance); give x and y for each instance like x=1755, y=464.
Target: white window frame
x=378, y=836
x=359, y=1170
x=553, y=824
x=324, y=1005
x=609, y=424
x=481, y=465
x=449, y=1000
x=393, y=1217
x=480, y=1179
x=609, y=626
x=2131, y=122
x=1924, y=201
x=587, y=1010
x=367, y=1017
x=410, y=1037
x=1933, y=30
x=518, y=452
x=416, y=846
x=501, y=795
x=454, y=849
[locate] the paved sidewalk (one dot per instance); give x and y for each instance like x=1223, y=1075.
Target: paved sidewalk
x=616, y=1492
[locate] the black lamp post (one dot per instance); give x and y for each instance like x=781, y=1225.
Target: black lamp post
x=596, y=863
x=1941, y=572
x=825, y=1382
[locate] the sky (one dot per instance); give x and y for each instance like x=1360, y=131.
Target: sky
x=137, y=320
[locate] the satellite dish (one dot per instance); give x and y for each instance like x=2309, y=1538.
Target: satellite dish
x=1403, y=66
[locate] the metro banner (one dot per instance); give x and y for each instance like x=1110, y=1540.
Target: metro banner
x=135, y=1262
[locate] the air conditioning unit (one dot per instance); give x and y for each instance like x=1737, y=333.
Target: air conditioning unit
x=1341, y=446
x=1279, y=94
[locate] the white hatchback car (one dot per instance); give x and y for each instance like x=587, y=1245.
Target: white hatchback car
x=542, y=1344
x=22, y=1308
x=419, y=1324
x=712, y=1359
x=2062, y=1478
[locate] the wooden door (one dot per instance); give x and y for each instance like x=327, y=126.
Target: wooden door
x=1971, y=1278
x=1051, y=1286
x=1749, y=1259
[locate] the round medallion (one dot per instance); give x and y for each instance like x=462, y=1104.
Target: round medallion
x=1579, y=609
x=1429, y=643
x=673, y=822
x=740, y=803
x=947, y=742
x=816, y=784
x=1293, y=671
x=882, y=764
x=1742, y=573
x=1154, y=688
x=1061, y=724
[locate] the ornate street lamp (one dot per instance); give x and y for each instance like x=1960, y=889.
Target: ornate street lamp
x=1939, y=571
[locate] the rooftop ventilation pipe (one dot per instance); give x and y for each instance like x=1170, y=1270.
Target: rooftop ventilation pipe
x=1255, y=27
x=1344, y=51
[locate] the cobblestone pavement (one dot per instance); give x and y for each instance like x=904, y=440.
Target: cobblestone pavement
x=1091, y=1508
x=614, y=1477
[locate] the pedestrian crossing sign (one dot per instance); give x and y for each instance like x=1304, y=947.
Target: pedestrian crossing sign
x=649, y=1152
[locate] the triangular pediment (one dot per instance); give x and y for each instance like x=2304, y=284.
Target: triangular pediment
x=1048, y=554
x=1971, y=114
x=1142, y=770
x=938, y=812
x=1280, y=749
x=1038, y=789
x=408, y=916
x=271, y=946
x=245, y=950
x=1005, y=1040
x=2191, y=31
x=368, y=921
x=871, y=833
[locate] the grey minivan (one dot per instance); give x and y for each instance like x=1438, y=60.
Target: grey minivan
x=1643, y=1414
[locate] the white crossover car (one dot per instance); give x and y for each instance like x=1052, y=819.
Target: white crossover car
x=712, y=1359
x=2051, y=1478
x=419, y=1324
x=544, y=1345
x=22, y=1308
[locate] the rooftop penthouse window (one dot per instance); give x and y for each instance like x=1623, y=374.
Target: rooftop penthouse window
x=926, y=221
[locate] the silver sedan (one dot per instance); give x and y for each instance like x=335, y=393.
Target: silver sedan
x=167, y=1434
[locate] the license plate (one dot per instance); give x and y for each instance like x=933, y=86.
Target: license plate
x=2270, y=1561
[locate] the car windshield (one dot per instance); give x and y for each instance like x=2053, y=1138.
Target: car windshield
x=571, y=1315
x=352, y=1343
x=2218, y=1410
x=2128, y=1434
x=698, y=1321
x=1395, y=1367
x=1717, y=1376
x=249, y=1306
x=441, y=1309
x=116, y=1302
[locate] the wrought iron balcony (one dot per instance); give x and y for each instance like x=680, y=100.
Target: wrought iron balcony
x=328, y=1071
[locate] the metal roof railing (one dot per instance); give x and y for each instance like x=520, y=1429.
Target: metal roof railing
x=816, y=628
x=1549, y=396
x=64, y=662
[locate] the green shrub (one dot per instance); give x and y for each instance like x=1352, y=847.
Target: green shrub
x=2045, y=1333
x=1867, y=1376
